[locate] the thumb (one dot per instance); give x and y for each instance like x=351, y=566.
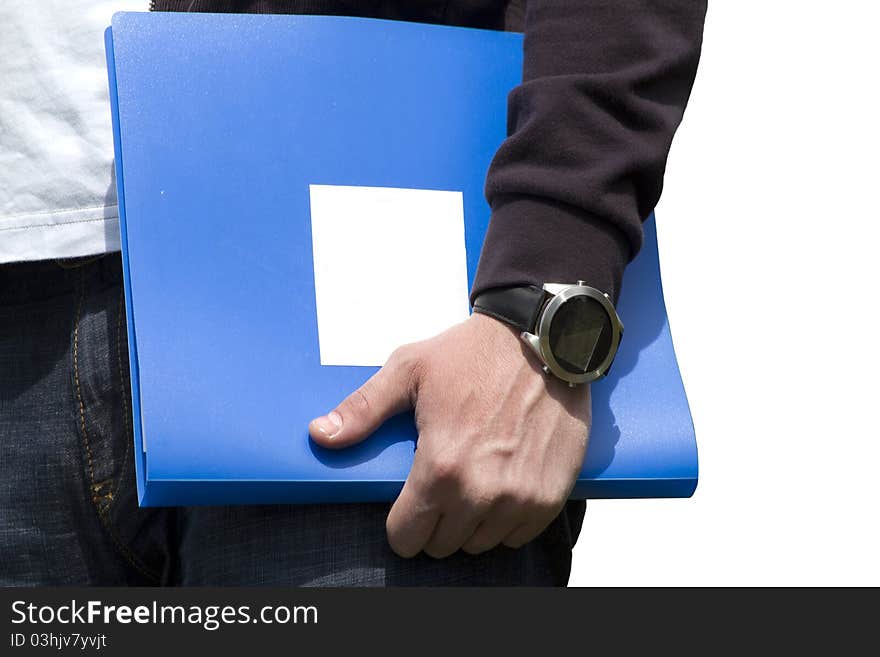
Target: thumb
x=388, y=392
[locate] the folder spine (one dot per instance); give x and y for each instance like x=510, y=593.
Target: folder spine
x=140, y=455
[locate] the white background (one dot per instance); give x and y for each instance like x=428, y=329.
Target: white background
x=768, y=232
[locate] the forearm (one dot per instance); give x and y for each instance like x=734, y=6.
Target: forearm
x=605, y=84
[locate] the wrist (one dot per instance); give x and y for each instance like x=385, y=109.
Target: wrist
x=572, y=328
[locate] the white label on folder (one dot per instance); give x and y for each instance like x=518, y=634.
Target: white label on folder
x=390, y=268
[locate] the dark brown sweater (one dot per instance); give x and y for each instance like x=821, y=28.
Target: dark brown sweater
x=605, y=83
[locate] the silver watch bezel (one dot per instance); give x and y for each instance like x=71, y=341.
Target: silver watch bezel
x=543, y=331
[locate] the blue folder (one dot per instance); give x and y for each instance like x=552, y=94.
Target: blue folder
x=221, y=123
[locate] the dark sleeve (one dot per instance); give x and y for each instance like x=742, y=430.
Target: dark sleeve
x=605, y=83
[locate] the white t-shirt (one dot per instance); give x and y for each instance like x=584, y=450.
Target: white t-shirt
x=57, y=188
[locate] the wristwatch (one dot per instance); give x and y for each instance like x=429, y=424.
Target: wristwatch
x=573, y=329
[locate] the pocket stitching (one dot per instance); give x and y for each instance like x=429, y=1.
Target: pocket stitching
x=94, y=487
x=126, y=419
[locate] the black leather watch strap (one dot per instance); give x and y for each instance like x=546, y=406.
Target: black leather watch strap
x=518, y=306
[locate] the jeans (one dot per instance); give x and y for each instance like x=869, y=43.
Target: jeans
x=68, y=504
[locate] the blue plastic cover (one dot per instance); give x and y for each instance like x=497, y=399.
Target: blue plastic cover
x=221, y=123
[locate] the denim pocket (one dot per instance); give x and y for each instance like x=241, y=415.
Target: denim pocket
x=100, y=378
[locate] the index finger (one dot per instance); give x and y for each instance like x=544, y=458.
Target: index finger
x=412, y=518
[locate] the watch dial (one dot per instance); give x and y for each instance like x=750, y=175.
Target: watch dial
x=580, y=334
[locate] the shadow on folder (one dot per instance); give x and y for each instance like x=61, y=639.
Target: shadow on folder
x=400, y=428
x=643, y=313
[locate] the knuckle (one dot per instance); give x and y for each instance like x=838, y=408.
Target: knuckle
x=407, y=359
x=359, y=402
x=547, y=504
x=480, y=500
x=402, y=550
x=536, y=499
x=446, y=470
x=506, y=495
x=438, y=552
x=404, y=357
x=477, y=547
x=399, y=546
x=402, y=354
x=516, y=542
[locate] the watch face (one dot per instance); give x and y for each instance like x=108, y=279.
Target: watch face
x=580, y=334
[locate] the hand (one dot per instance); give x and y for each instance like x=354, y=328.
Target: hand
x=500, y=443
